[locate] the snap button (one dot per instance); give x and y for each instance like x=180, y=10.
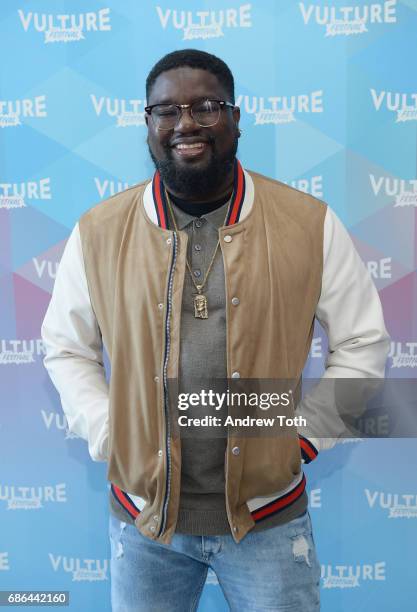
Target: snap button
x=235, y=301
x=235, y=375
x=236, y=450
x=169, y=240
x=160, y=306
x=152, y=528
x=227, y=238
x=155, y=517
x=160, y=452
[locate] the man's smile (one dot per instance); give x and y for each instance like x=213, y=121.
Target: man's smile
x=190, y=150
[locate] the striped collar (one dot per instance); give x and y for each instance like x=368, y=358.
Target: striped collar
x=242, y=199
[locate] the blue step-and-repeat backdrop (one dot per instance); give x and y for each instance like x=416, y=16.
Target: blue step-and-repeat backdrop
x=328, y=94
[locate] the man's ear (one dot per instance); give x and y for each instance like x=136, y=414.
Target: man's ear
x=236, y=115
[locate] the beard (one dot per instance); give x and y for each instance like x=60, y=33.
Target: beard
x=196, y=181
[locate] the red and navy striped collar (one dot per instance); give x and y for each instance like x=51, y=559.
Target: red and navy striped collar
x=238, y=196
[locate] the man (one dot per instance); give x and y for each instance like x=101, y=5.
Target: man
x=207, y=270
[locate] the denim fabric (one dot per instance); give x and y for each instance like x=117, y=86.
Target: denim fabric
x=276, y=569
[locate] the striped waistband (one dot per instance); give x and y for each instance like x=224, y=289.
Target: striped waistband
x=260, y=507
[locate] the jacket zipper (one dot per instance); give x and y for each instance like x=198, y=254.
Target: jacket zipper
x=166, y=407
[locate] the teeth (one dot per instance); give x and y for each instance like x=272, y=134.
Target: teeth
x=194, y=145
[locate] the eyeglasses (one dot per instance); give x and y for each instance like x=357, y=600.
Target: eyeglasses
x=205, y=113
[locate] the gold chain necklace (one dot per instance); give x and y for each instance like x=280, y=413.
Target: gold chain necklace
x=200, y=300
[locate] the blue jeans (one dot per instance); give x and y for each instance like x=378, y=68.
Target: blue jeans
x=275, y=569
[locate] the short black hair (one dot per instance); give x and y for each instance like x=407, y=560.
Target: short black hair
x=193, y=58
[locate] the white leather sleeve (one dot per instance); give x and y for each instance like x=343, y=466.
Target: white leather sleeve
x=350, y=311
x=74, y=351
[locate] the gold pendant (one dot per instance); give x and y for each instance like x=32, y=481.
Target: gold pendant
x=200, y=306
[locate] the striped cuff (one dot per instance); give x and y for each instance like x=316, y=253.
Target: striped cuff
x=308, y=451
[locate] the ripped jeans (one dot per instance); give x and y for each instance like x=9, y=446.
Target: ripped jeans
x=275, y=569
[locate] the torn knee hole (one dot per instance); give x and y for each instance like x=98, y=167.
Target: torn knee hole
x=300, y=549
x=119, y=545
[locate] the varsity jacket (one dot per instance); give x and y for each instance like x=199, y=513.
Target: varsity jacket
x=288, y=259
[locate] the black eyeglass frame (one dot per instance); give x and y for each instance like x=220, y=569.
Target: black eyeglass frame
x=180, y=107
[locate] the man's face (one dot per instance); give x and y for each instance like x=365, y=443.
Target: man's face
x=196, y=171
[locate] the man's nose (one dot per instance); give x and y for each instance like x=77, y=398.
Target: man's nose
x=186, y=122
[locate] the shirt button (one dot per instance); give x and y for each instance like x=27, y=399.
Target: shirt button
x=235, y=301
x=169, y=240
x=197, y=273
x=236, y=450
x=152, y=528
x=160, y=453
x=235, y=528
x=227, y=238
x=235, y=375
x=198, y=223
x=197, y=247
x=156, y=378
x=156, y=517
x=160, y=306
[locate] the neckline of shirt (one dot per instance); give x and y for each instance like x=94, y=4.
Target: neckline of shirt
x=196, y=209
